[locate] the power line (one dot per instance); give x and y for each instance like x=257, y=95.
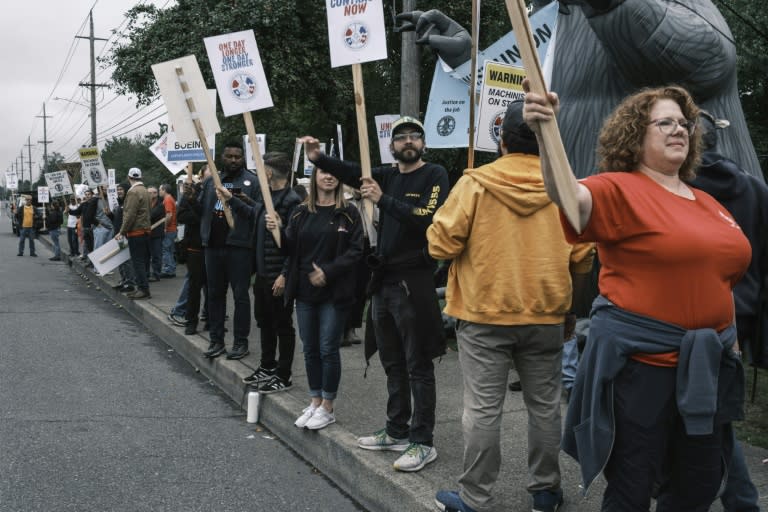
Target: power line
x=63, y=122
x=104, y=133
x=141, y=125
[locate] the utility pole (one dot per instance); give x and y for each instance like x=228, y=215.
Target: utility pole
x=29, y=154
x=22, y=166
x=93, y=85
x=410, y=84
x=45, y=140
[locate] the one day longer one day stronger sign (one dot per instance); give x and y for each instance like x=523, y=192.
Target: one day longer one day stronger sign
x=238, y=72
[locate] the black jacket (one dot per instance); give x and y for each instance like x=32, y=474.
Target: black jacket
x=156, y=213
x=746, y=198
x=187, y=215
x=87, y=212
x=36, y=217
x=269, y=259
x=339, y=274
x=54, y=218
x=242, y=234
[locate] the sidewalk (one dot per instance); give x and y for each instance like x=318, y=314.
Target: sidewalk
x=360, y=409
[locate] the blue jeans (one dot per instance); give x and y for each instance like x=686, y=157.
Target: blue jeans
x=74, y=243
x=180, y=308
x=139, y=248
x=155, y=262
x=321, y=327
x=25, y=233
x=101, y=235
x=54, y=233
x=570, y=361
x=169, y=258
x=740, y=493
x=127, y=274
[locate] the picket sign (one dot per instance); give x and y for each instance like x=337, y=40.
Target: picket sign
x=203, y=141
x=550, y=133
x=473, y=85
x=242, y=93
x=362, y=135
x=261, y=172
x=156, y=224
x=297, y=147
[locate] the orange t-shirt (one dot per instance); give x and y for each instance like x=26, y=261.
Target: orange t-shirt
x=170, y=207
x=662, y=255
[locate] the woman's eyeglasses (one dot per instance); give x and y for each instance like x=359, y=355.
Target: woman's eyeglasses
x=668, y=126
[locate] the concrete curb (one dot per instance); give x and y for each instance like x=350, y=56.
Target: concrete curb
x=369, y=480
x=368, y=477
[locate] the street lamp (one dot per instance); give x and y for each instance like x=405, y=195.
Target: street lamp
x=72, y=101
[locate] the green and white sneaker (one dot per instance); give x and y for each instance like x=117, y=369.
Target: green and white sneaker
x=382, y=441
x=416, y=456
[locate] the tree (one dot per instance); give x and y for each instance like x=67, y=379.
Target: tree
x=51, y=165
x=123, y=153
x=748, y=20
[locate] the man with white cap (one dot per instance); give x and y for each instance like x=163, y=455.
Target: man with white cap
x=135, y=229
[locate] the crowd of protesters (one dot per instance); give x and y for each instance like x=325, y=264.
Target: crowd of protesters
x=327, y=257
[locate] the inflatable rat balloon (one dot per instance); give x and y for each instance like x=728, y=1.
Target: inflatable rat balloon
x=605, y=50
x=449, y=39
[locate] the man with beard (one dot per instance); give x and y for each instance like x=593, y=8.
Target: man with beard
x=404, y=307
x=228, y=251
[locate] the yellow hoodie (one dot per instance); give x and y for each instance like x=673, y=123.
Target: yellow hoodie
x=511, y=263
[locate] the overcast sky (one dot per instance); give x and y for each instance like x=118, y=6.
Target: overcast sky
x=42, y=60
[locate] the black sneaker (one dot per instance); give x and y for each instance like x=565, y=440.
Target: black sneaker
x=260, y=376
x=274, y=385
x=190, y=329
x=547, y=501
x=238, y=352
x=215, y=349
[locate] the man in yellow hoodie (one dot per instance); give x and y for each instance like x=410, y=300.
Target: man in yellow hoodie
x=509, y=287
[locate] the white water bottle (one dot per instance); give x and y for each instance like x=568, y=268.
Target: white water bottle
x=253, y=407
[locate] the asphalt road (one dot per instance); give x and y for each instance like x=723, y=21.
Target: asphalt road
x=97, y=414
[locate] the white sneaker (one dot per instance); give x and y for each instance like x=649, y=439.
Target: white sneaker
x=382, y=441
x=307, y=413
x=415, y=457
x=320, y=419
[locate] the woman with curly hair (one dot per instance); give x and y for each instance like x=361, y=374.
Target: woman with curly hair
x=661, y=378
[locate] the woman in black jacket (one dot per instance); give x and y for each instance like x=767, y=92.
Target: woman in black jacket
x=324, y=242
x=192, y=245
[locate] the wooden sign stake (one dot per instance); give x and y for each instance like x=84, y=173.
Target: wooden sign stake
x=473, y=86
x=550, y=133
x=203, y=141
x=261, y=172
x=362, y=134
